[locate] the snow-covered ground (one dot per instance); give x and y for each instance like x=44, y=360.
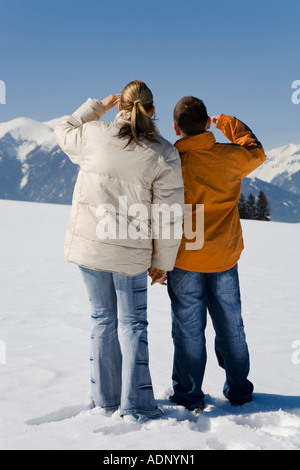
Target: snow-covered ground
x=44, y=318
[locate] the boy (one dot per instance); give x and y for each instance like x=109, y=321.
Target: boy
x=207, y=278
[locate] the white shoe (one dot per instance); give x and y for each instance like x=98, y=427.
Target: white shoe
x=109, y=413
x=138, y=417
x=131, y=417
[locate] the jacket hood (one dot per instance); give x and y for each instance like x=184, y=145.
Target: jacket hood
x=123, y=116
x=200, y=141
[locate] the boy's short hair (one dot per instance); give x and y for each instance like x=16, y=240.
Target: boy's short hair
x=190, y=115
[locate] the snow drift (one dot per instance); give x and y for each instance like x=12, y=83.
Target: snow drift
x=45, y=327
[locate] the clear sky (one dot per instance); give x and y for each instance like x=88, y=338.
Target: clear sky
x=239, y=57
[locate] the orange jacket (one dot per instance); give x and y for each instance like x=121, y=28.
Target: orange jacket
x=212, y=175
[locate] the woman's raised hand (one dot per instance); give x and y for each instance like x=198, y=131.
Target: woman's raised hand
x=110, y=101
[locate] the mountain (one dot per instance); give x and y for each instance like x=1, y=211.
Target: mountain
x=279, y=178
x=282, y=168
x=34, y=168
x=285, y=205
x=32, y=165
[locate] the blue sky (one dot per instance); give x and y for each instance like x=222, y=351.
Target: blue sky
x=239, y=57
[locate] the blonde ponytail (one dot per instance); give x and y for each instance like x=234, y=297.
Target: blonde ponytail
x=138, y=99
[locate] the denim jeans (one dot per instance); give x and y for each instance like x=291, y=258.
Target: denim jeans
x=192, y=294
x=120, y=374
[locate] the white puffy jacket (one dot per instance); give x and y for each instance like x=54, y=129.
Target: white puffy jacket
x=146, y=174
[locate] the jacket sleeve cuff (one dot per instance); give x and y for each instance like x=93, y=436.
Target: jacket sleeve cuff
x=223, y=119
x=165, y=259
x=91, y=110
x=98, y=107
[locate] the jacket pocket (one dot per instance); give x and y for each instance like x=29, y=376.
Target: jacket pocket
x=228, y=281
x=175, y=277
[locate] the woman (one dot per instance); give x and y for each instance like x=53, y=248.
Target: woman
x=124, y=165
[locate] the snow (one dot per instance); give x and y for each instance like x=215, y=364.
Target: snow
x=44, y=315
x=280, y=161
x=28, y=133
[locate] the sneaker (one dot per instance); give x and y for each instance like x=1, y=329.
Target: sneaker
x=197, y=408
x=131, y=418
x=239, y=402
x=248, y=395
x=140, y=417
x=109, y=413
x=134, y=417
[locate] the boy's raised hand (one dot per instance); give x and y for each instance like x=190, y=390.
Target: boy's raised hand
x=214, y=119
x=110, y=101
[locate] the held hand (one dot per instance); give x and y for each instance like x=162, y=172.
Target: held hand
x=214, y=119
x=158, y=276
x=110, y=101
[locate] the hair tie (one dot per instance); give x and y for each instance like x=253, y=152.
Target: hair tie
x=136, y=101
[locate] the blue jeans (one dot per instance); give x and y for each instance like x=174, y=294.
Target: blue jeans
x=120, y=374
x=191, y=294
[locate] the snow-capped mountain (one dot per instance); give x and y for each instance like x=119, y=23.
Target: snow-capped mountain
x=279, y=178
x=34, y=168
x=32, y=165
x=27, y=130
x=282, y=168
